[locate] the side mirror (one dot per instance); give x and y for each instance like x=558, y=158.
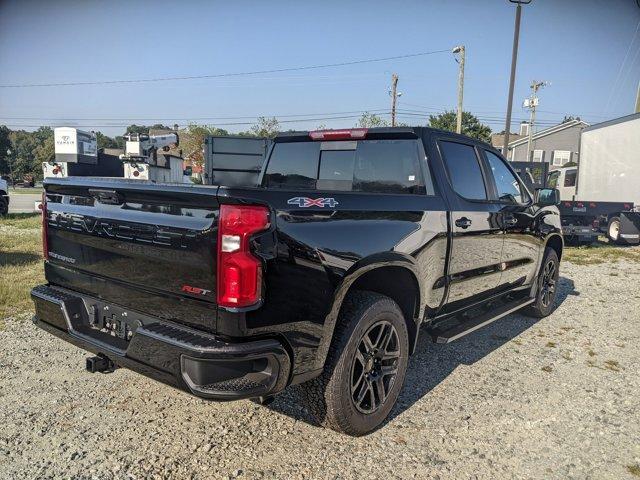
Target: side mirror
x=546, y=197
x=187, y=172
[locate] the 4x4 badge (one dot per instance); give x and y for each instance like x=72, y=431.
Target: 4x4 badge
x=305, y=202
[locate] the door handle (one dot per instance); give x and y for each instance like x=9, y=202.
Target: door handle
x=463, y=222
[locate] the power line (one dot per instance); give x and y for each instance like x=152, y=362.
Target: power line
x=221, y=75
x=624, y=60
x=216, y=124
x=169, y=117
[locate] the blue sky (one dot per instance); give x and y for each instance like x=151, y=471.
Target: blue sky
x=577, y=45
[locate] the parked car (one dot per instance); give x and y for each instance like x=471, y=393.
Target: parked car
x=322, y=274
x=4, y=197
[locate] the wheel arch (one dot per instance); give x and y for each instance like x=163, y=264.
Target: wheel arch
x=555, y=242
x=395, y=278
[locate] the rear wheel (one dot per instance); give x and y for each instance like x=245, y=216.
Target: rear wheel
x=544, y=303
x=613, y=229
x=365, y=366
x=4, y=206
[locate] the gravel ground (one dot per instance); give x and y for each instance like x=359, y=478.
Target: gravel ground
x=555, y=398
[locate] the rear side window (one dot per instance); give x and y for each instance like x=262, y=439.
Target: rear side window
x=464, y=170
x=372, y=166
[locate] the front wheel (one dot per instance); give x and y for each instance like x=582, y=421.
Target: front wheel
x=547, y=291
x=365, y=366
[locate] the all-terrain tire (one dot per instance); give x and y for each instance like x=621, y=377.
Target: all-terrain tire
x=547, y=289
x=4, y=207
x=329, y=397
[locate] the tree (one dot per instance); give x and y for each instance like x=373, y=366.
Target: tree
x=145, y=128
x=471, y=126
x=5, y=144
x=44, y=152
x=266, y=127
x=105, y=141
x=192, y=141
x=569, y=118
x=371, y=120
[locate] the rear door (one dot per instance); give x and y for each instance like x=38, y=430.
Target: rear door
x=476, y=247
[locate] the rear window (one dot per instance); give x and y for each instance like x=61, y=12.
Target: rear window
x=371, y=166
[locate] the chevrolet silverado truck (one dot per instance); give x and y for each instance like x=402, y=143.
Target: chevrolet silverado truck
x=323, y=271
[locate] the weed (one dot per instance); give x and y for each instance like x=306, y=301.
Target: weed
x=551, y=344
x=634, y=470
x=547, y=369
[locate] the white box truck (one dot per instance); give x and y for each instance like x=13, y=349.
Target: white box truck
x=602, y=194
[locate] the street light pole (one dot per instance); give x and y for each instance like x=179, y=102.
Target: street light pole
x=514, y=61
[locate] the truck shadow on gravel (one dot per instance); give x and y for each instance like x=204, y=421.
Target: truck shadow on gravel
x=432, y=363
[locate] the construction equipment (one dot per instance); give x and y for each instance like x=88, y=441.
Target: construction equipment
x=147, y=157
x=77, y=155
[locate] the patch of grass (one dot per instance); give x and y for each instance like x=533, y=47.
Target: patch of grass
x=634, y=470
x=551, y=344
x=25, y=191
x=591, y=353
x=600, y=253
x=547, y=369
x=20, y=262
x=567, y=356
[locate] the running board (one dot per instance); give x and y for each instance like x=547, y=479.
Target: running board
x=462, y=329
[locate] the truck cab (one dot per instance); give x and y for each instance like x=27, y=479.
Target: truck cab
x=564, y=179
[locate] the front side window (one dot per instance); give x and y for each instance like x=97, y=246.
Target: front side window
x=570, y=178
x=552, y=180
x=507, y=184
x=464, y=170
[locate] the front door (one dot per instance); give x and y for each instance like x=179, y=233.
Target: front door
x=476, y=248
x=521, y=244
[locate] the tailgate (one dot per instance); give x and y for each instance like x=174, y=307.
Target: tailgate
x=148, y=246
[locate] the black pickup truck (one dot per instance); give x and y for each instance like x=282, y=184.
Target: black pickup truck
x=321, y=273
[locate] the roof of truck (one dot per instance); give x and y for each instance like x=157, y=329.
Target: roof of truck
x=615, y=121
x=375, y=132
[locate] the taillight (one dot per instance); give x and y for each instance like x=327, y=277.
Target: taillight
x=627, y=206
x=349, y=134
x=56, y=170
x=239, y=271
x=136, y=173
x=45, y=227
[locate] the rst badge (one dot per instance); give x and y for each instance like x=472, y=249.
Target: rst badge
x=306, y=202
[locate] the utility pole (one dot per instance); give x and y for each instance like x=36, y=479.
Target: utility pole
x=514, y=60
x=394, y=98
x=531, y=103
x=460, y=49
